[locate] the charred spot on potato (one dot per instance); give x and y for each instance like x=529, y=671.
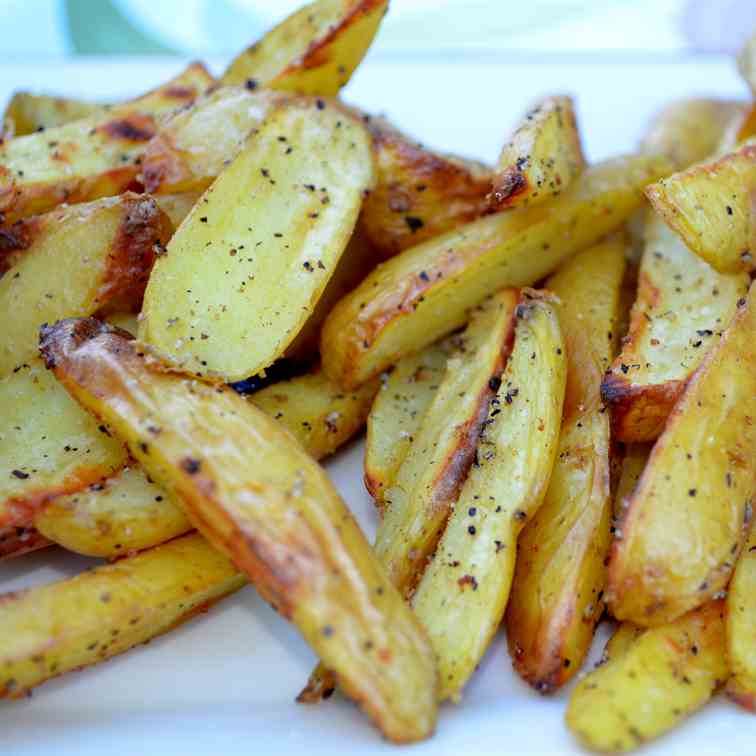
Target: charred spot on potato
x=190, y=465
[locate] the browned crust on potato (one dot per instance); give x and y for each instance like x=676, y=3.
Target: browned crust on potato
x=319, y=51
x=507, y=187
x=162, y=163
x=746, y=699
x=16, y=541
x=144, y=232
x=15, y=239
x=396, y=214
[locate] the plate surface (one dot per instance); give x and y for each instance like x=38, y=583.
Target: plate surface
x=226, y=681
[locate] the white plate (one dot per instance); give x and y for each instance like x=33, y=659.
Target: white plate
x=225, y=682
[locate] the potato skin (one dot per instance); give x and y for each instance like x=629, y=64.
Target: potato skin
x=74, y=623
x=652, y=682
x=15, y=541
x=77, y=260
x=313, y=51
x=426, y=291
x=689, y=515
x=260, y=498
x=560, y=574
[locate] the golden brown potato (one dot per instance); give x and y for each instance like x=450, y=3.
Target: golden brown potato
x=663, y=676
x=76, y=261
x=688, y=131
x=542, y=158
x=31, y=112
x=711, y=206
x=560, y=574
x=316, y=411
x=397, y=413
x=429, y=478
x=114, y=517
x=207, y=308
x=260, y=498
x=192, y=147
x=623, y=638
x=419, y=193
x=463, y=593
x=313, y=51
x=681, y=309
x=48, y=445
x=74, y=623
x=15, y=541
x=740, y=619
x=426, y=291
x=747, y=62
x=688, y=517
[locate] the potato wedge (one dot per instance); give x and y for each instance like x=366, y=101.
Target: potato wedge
x=426, y=291
x=419, y=193
x=681, y=309
x=77, y=260
x=316, y=411
x=259, y=497
x=123, y=514
x=397, y=413
x=429, y=479
x=688, y=517
x=193, y=146
x=741, y=128
x=463, y=593
x=18, y=541
x=712, y=207
x=741, y=627
x=48, y=445
x=313, y=51
x=688, y=131
x=75, y=623
x=664, y=675
x=32, y=112
x=747, y=62
x=622, y=640
x=634, y=463
x=542, y=158
x=276, y=220
x=556, y=597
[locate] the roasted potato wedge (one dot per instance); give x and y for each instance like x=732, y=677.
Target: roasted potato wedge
x=688, y=131
x=30, y=112
x=48, y=445
x=427, y=291
x=76, y=261
x=193, y=147
x=622, y=639
x=16, y=541
x=542, y=158
x=93, y=157
x=464, y=590
x=114, y=517
x=259, y=497
x=682, y=307
x=560, y=574
x=397, y=413
x=712, y=208
x=741, y=627
x=747, y=62
x=247, y=237
x=316, y=411
x=313, y=51
x=663, y=676
x=419, y=193
x=688, y=517
x=428, y=481
x=74, y=623
x=177, y=206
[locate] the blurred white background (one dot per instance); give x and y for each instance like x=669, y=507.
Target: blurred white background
x=422, y=28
